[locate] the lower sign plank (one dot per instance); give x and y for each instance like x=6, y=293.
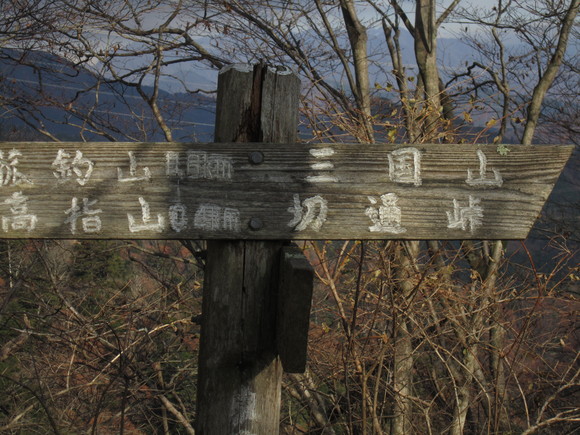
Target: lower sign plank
x=266, y=191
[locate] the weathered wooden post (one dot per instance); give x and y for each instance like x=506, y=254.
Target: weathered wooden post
x=240, y=373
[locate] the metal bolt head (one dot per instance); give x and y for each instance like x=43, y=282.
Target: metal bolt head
x=255, y=224
x=256, y=157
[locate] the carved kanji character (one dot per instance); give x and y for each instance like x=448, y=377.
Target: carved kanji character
x=90, y=220
x=405, y=166
x=387, y=218
x=133, y=171
x=64, y=167
x=470, y=215
x=482, y=180
x=148, y=224
x=20, y=219
x=9, y=173
x=305, y=214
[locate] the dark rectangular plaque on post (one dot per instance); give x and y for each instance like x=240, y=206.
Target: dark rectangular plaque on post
x=296, y=284
x=273, y=192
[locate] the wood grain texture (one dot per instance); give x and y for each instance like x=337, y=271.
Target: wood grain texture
x=240, y=373
x=220, y=180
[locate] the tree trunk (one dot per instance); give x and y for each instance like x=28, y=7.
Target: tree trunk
x=357, y=35
x=403, y=359
x=534, y=109
x=426, y=50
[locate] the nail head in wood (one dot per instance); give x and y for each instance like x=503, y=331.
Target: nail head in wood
x=256, y=157
x=256, y=224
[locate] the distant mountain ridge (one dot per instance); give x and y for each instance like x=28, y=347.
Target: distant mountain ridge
x=28, y=80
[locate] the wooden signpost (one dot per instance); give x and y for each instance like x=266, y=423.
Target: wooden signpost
x=250, y=191
x=260, y=191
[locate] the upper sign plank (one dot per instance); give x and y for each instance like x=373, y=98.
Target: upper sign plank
x=271, y=191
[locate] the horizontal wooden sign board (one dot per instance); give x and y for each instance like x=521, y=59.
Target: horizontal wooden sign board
x=111, y=190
